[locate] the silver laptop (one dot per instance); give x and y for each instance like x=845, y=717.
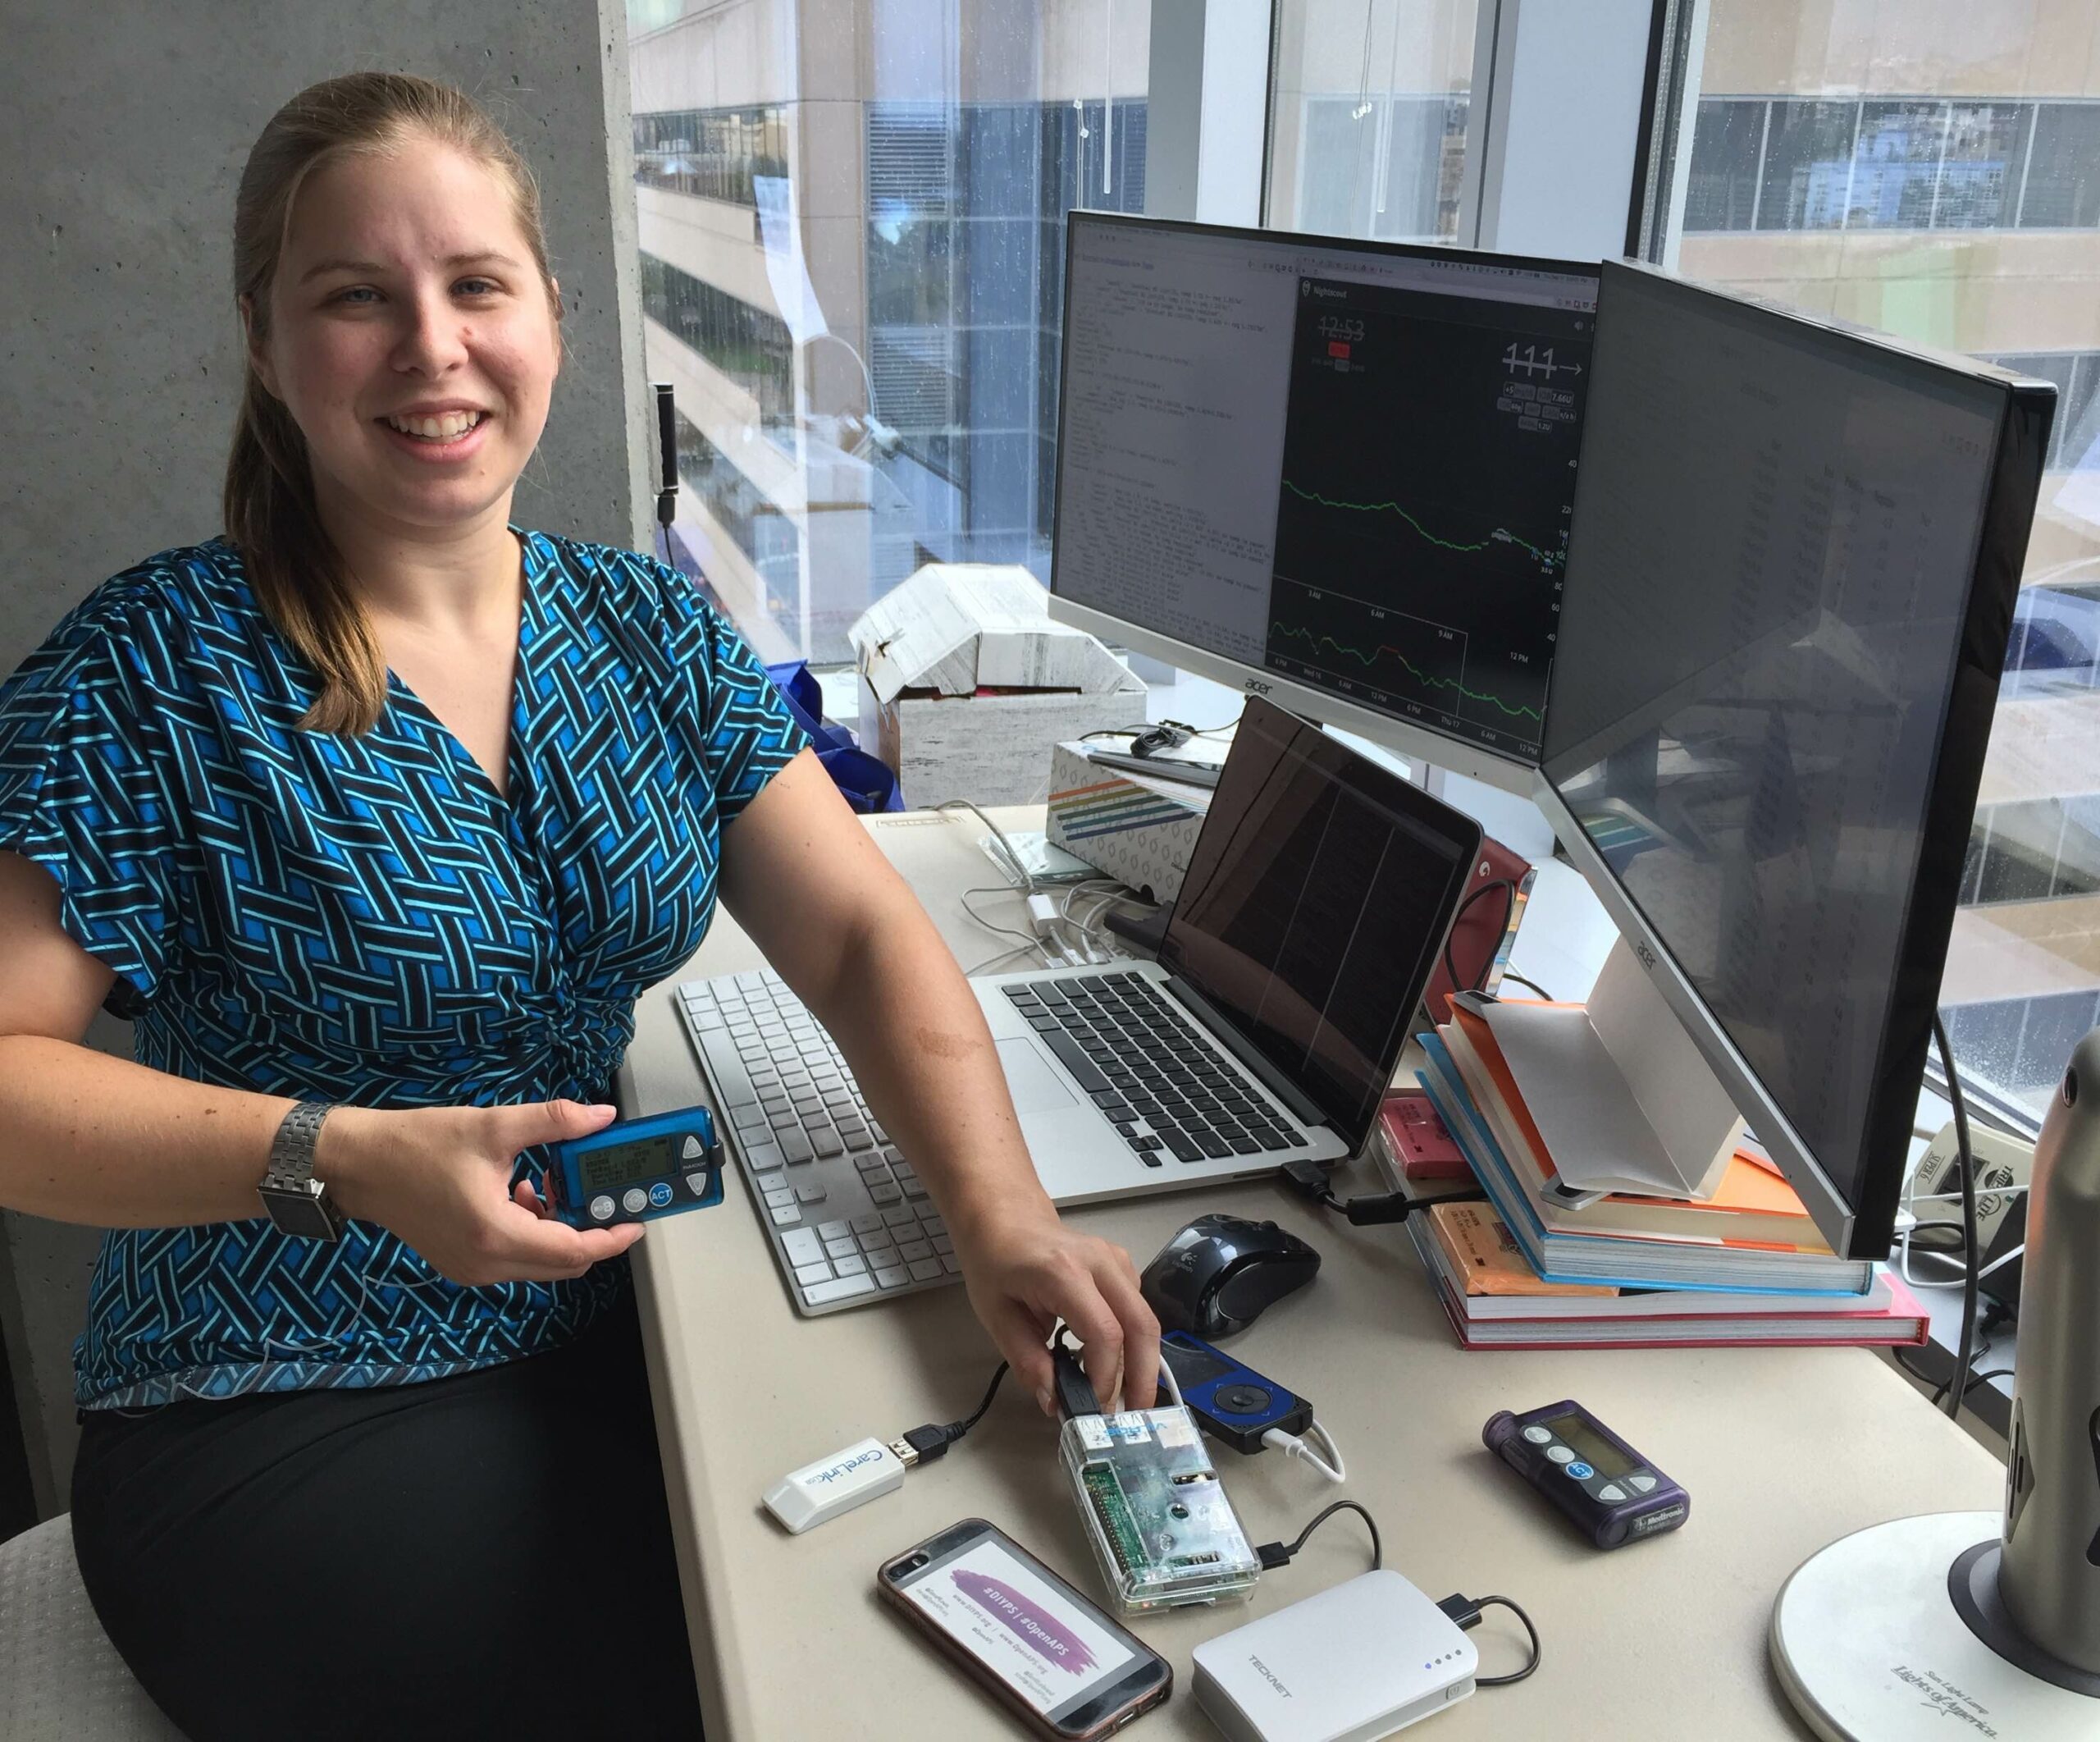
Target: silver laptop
x=1310, y=918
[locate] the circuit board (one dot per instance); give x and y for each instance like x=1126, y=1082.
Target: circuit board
x=1155, y=1511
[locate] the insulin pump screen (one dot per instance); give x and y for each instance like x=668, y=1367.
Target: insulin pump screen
x=1052, y=1653
x=1592, y=1447
x=617, y=1165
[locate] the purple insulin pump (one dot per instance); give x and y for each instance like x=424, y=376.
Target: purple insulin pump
x=1611, y=1493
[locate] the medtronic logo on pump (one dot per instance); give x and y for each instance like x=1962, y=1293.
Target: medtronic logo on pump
x=1038, y=1631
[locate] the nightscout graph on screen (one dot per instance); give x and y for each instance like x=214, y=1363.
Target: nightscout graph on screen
x=1337, y=472
x=1422, y=523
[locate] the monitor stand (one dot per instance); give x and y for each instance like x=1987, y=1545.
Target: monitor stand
x=1870, y=1640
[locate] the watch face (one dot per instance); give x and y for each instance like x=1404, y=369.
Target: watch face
x=302, y=1215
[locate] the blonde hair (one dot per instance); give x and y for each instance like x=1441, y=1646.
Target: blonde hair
x=300, y=578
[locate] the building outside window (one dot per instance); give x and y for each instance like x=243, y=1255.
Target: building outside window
x=851, y=229
x=1371, y=117
x=1935, y=170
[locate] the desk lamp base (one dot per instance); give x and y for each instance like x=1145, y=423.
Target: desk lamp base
x=1871, y=1647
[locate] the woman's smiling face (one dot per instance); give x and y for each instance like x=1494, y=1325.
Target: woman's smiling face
x=411, y=336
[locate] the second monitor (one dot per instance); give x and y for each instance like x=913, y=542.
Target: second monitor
x=1337, y=472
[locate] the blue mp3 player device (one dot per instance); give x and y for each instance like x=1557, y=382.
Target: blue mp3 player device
x=1232, y=1401
x=636, y=1169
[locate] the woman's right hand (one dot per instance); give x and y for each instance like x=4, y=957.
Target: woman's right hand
x=439, y=1179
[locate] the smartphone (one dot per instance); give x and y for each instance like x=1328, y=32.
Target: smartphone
x=1062, y=1665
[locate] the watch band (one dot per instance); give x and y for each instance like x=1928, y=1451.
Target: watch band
x=296, y=1201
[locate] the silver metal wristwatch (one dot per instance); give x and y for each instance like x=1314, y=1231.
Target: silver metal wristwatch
x=296, y=1201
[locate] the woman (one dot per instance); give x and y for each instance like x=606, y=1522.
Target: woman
x=378, y=813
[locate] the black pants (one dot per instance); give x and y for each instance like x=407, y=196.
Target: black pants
x=483, y=1556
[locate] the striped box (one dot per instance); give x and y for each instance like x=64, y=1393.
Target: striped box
x=1139, y=830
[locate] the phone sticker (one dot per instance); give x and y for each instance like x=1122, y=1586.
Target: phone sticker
x=1048, y=1650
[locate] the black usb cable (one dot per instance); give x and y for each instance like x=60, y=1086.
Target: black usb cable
x=1464, y=1612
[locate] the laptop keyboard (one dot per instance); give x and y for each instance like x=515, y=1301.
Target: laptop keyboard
x=1135, y=1053
x=846, y=1215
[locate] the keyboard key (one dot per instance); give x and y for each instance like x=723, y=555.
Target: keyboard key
x=802, y=1247
x=871, y=1163
x=825, y=1141
x=844, y=1288
x=928, y=1270
x=780, y=1198
x=835, y=1250
x=1181, y=1146
x=762, y=1157
x=877, y=1239
x=787, y=1215
x=1153, y=1157
x=1214, y=1147
x=932, y=1223
x=806, y=1274
x=1244, y=1144
x=943, y=1245
x=911, y=1189
x=1083, y=1069
x=1048, y=991
x=867, y=1222
x=910, y=1249
x=891, y=1276
x=952, y=1264
x=882, y=1195
x=901, y=1216
x=850, y=1264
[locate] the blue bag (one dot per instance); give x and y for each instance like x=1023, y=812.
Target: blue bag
x=864, y=780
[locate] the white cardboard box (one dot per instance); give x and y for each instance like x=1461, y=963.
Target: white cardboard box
x=929, y=650
x=1131, y=826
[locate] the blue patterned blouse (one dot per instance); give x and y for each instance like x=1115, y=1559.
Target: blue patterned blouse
x=365, y=919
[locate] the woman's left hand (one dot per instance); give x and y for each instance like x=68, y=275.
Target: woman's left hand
x=1025, y=1270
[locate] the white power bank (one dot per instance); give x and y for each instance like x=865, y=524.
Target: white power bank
x=1359, y=1661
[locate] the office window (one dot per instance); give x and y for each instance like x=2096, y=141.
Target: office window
x=2063, y=168
x=852, y=232
x=1807, y=182
x=1937, y=150
x=1728, y=156
x=711, y=153
x=1371, y=112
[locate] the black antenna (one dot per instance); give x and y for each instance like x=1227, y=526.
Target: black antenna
x=667, y=444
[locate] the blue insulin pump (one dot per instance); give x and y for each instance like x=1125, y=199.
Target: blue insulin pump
x=1234, y=1403
x=638, y=1169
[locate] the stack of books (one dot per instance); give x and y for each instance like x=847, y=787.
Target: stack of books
x=1744, y=1265
x=1496, y=1299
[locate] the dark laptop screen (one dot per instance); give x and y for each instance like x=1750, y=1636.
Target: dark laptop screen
x=1316, y=901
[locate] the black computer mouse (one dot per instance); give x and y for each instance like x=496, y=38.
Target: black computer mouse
x=1221, y=1272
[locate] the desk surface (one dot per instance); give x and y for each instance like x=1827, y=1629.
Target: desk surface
x=1783, y=1451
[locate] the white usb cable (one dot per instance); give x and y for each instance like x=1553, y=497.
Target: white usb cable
x=1292, y=1446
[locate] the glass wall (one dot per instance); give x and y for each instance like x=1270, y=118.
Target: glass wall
x=1935, y=170
x=852, y=229
x=1371, y=118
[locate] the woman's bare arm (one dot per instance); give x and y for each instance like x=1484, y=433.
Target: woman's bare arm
x=804, y=879
x=85, y=1137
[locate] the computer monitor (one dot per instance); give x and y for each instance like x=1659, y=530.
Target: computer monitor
x=1336, y=474
x=1791, y=577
